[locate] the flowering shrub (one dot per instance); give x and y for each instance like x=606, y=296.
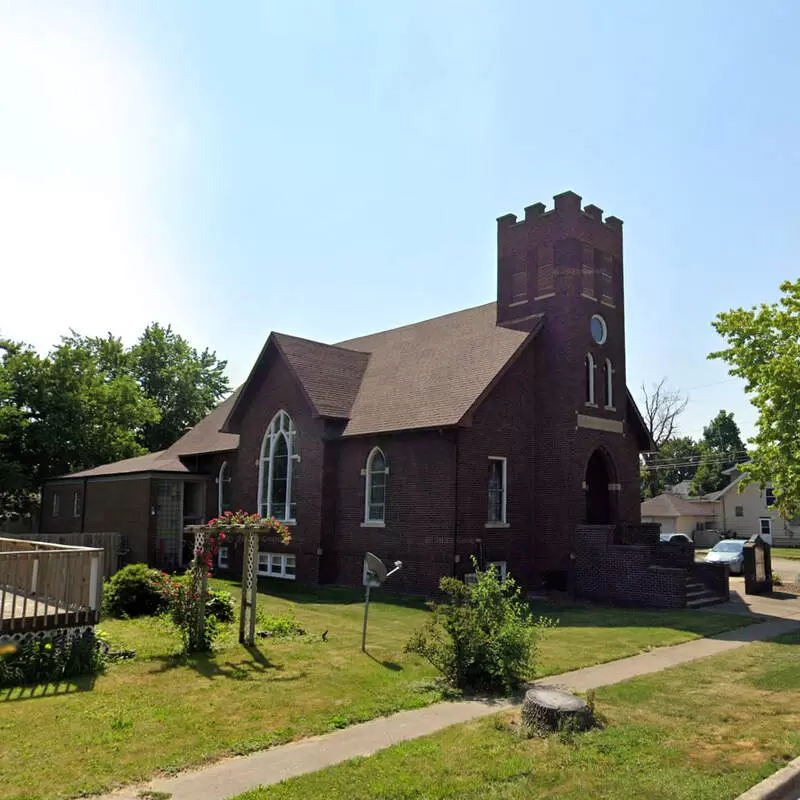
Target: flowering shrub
x=184, y=606
x=196, y=611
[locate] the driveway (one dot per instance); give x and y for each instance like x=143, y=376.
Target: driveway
x=787, y=568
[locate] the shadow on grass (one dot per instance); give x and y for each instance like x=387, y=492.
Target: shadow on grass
x=35, y=691
x=334, y=595
x=390, y=665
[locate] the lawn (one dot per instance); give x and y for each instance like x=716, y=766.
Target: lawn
x=702, y=731
x=786, y=552
x=164, y=712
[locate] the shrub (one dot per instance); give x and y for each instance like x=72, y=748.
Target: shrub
x=279, y=627
x=68, y=654
x=483, y=637
x=220, y=604
x=136, y=590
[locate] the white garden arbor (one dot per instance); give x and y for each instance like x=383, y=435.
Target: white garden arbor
x=239, y=530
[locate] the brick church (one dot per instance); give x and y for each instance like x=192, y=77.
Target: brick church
x=495, y=432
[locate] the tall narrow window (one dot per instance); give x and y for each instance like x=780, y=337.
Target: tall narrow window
x=375, y=495
x=76, y=504
x=277, y=469
x=609, y=376
x=590, y=378
x=224, y=489
x=769, y=496
x=498, y=475
x=56, y=503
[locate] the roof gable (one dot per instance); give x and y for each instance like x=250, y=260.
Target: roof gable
x=328, y=376
x=430, y=374
x=671, y=505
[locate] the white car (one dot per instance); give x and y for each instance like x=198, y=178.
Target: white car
x=728, y=551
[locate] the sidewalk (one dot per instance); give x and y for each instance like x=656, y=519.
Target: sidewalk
x=235, y=775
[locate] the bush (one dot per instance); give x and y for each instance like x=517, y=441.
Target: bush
x=68, y=654
x=135, y=591
x=220, y=604
x=278, y=627
x=483, y=637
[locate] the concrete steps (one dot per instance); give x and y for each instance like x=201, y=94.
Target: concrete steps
x=698, y=595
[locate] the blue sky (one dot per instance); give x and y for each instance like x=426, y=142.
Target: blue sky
x=329, y=169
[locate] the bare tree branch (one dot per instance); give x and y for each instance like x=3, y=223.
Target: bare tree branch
x=662, y=407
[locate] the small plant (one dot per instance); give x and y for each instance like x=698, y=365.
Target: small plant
x=135, y=591
x=483, y=637
x=184, y=602
x=776, y=579
x=220, y=604
x=66, y=655
x=278, y=627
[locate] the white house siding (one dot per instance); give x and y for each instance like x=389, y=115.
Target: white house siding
x=754, y=507
x=668, y=524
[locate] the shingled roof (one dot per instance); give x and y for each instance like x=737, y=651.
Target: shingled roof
x=160, y=461
x=432, y=373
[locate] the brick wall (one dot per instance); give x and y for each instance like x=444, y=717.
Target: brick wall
x=573, y=265
x=625, y=575
x=503, y=426
x=272, y=390
x=420, y=502
x=123, y=505
x=65, y=521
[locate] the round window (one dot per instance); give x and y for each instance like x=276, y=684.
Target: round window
x=598, y=328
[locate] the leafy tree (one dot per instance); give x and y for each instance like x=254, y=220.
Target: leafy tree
x=763, y=347
x=16, y=495
x=676, y=461
x=721, y=448
x=70, y=413
x=184, y=384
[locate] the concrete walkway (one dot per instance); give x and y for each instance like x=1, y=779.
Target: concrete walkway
x=235, y=775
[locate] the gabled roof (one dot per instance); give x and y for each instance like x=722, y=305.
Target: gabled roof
x=725, y=489
x=206, y=437
x=671, y=505
x=431, y=374
x=330, y=375
x=160, y=461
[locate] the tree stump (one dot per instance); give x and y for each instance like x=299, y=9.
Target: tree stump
x=548, y=709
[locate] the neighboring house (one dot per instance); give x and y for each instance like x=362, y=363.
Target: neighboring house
x=492, y=432
x=728, y=511
x=753, y=511
x=677, y=514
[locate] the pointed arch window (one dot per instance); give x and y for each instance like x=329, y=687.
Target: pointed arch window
x=590, y=379
x=375, y=494
x=608, y=373
x=224, y=478
x=278, y=469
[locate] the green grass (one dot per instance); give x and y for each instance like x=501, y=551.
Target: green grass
x=702, y=731
x=163, y=711
x=786, y=552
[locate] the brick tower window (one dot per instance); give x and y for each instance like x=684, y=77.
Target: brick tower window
x=519, y=286
x=589, y=364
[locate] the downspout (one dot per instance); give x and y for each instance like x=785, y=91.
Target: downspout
x=83, y=504
x=455, y=507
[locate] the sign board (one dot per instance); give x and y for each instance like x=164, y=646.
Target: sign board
x=757, y=566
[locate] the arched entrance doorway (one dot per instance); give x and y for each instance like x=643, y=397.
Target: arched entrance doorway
x=599, y=506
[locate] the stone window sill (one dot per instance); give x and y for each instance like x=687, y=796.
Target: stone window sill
x=375, y=524
x=497, y=525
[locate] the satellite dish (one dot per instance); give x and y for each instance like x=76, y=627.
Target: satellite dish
x=374, y=571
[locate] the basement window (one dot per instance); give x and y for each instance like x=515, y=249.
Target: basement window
x=277, y=565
